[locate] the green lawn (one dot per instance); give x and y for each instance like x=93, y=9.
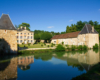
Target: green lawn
x=35, y=46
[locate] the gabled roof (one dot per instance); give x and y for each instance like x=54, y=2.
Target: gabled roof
x=5, y=22
x=87, y=29
x=67, y=35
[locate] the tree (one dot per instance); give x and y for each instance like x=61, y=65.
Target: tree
x=63, y=32
x=37, y=37
x=79, y=25
x=91, y=22
x=46, y=36
x=25, y=25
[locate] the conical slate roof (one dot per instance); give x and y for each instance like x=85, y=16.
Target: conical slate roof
x=87, y=29
x=5, y=22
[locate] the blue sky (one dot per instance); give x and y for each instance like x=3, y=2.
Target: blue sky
x=50, y=15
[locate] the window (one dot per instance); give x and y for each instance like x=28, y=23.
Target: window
x=21, y=33
x=31, y=37
x=31, y=41
x=17, y=33
x=21, y=41
x=28, y=40
x=17, y=37
x=21, y=37
x=55, y=42
x=31, y=33
x=28, y=37
x=84, y=38
x=18, y=41
x=28, y=33
x=24, y=33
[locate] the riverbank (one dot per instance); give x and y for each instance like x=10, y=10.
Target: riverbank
x=92, y=74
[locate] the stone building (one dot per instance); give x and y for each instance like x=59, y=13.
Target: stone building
x=8, y=40
x=24, y=36
x=87, y=36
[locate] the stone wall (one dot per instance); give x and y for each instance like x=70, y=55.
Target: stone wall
x=83, y=39
x=10, y=40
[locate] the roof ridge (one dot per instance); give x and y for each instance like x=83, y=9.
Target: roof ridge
x=87, y=28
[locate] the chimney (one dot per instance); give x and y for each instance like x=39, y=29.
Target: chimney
x=92, y=28
x=25, y=27
x=21, y=27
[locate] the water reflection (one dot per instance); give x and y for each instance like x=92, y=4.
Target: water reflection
x=53, y=62
x=23, y=62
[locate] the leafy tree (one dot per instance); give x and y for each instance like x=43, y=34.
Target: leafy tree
x=25, y=25
x=46, y=36
x=79, y=25
x=37, y=37
x=63, y=32
x=91, y=22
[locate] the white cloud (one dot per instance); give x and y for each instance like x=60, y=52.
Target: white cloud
x=71, y=20
x=50, y=26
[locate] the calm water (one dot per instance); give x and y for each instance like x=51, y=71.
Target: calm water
x=47, y=66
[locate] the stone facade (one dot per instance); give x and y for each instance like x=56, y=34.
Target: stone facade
x=87, y=37
x=8, y=40
x=25, y=36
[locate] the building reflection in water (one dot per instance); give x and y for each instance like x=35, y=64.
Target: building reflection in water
x=23, y=62
x=8, y=69
x=84, y=60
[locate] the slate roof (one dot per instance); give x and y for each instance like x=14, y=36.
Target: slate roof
x=5, y=22
x=67, y=35
x=87, y=29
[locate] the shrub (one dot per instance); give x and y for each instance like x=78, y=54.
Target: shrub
x=47, y=45
x=95, y=46
x=62, y=43
x=60, y=48
x=22, y=43
x=51, y=45
x=85, y=47
x=29, y=44
x=79, y=47
x=73, y=47
x=41, y=44
x=18, y=45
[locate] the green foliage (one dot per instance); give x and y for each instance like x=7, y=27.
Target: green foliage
x=47, y=45
x=24, y=25
x=60, y=48
x=95, y=46
x=29, y=44
x=85, y=47
x=79, y=47
x=46, y=36
x=51, y=45
x=23, y=43
x=37, y=37
x=62, y=43
x=41, y=44
x=73, y=47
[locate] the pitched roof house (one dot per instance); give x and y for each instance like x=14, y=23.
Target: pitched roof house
x=8, y=34
x=87, y=36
